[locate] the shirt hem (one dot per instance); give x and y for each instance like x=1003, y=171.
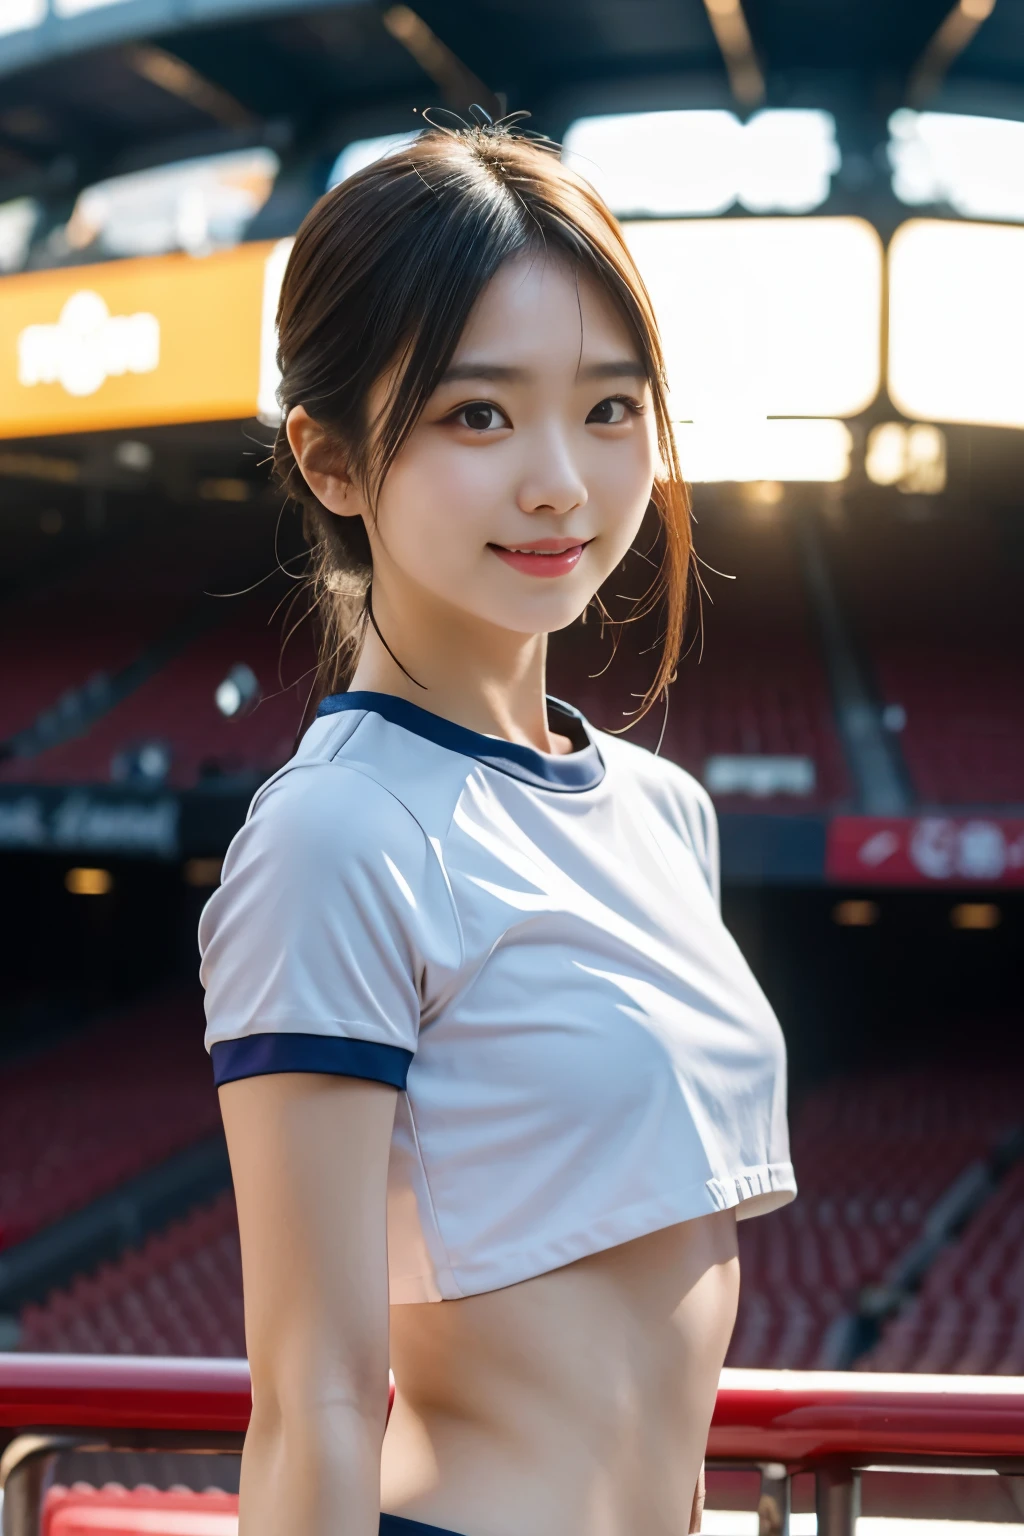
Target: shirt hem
x=751, y=1191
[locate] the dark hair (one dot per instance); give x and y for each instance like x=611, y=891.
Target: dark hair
x=385, y=270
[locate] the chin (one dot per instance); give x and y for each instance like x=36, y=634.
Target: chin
x=540, y=618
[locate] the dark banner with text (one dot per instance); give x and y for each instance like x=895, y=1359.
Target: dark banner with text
x=111, y=822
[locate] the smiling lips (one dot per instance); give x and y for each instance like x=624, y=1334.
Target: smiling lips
x=542, y=557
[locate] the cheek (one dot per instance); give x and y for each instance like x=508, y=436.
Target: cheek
x=435, y=502
x=621, y=486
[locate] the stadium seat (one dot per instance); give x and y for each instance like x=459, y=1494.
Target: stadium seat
x=176, y=707
x=116, y=1098
x=873, y=1154
x=753, y=684
x=180, y=1294
x=102, y=617
x=936, y=606
x=969, y=1314
x=112, y=1510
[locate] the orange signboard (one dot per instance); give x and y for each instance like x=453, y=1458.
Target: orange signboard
x=135, y=343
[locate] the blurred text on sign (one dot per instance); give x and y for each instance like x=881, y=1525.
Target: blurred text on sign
x=136, y=343
x=925, y=850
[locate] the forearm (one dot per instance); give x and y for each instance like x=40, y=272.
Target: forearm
x=312, y=1474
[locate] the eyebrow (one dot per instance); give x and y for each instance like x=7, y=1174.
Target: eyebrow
x=500, y=373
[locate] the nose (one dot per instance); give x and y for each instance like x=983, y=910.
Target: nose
x=553, y=482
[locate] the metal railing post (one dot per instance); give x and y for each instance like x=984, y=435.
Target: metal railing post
x=26, y=1472
x=773, y=1505
x=837, y=1500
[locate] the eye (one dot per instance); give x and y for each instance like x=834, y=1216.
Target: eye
x=612, y=412
x=480, y=416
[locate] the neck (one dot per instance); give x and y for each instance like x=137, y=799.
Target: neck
x=477, y=675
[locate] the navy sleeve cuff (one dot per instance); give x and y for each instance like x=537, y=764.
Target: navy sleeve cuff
x=337, y=1056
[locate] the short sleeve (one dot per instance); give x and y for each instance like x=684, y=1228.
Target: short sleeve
x=703, y=823
x=686, y=804
x=332, y=927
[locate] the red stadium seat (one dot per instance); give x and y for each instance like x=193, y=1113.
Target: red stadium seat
x=103, y=617
x=755, y=686
x=118, y=1097
x=176, y=707
x=969, y=1314
x=115, y=1511
x=874, y=1153
x=936, y=606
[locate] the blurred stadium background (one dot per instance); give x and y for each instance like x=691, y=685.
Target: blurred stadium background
x=827, y=201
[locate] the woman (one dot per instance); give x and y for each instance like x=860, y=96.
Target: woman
x=478, y=1028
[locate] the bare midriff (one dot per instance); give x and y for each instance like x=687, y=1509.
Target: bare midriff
x=573, y=1404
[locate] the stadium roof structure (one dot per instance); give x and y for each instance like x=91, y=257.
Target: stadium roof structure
x=93, y=88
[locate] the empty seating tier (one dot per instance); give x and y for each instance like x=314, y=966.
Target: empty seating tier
x=936, y=607
x=180, y=1294
x=176, y=709
x=969, y=1314
x=752, y=683
x=873, y=1156
x=117, y=1098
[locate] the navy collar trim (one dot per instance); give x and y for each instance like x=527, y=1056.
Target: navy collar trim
x=583, y=768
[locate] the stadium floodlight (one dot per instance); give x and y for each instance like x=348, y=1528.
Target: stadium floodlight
x=975, y=164
x=18, y=220
x=745, y=448
x=702, y=162
x=956, y=322
x=192, y=205
x=238, y=692
x=19, y=15
x=765, y=317
x=363, y=152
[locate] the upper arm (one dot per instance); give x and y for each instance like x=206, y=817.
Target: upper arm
x=309, y=1159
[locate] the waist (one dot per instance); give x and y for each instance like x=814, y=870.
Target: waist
x=583, y=1386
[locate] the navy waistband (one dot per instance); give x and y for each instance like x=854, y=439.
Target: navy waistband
x=397, y=1525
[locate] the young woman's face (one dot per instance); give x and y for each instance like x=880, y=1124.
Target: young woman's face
x=541, y=439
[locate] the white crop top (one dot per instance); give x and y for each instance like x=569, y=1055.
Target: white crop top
x=530, y=945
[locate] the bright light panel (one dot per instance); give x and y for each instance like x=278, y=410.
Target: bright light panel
x=765, y=317
x=913, y=458
x=956, y=322
x=17, y=15
x=18, y=220
x=191, y=205
x=76, y=7
x=975, y=164
x=662, y=163
x=363, y=152
x=739, y=448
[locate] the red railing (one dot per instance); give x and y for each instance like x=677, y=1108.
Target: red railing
x=831, y=1424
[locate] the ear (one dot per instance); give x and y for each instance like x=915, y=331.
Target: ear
x=321, y=462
